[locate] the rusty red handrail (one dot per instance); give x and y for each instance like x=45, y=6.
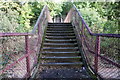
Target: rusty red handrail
x=73, y=16
x=118, y=65
x=15, y=34
x=38, y=20
x=44, y=14
x=34, y=29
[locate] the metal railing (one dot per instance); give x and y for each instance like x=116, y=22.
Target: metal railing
x=101, y=51
x=19, y=51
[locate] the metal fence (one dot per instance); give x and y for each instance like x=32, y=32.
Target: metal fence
x=19, y=51
x=101, y=51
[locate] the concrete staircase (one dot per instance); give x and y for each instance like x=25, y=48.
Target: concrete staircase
x=60, y=46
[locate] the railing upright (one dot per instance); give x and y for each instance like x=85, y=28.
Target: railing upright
x=31, y=52
x=28, y=56
x=82, y=33
x=97, y=50
x=92, y=43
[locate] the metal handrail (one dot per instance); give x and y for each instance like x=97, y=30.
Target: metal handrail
x=36, y=27
x=97, y=47
x=29, y=33
x=14, y=34
x=38, y=20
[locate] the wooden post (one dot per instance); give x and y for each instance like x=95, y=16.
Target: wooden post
x=28, y=57
x=97, y=51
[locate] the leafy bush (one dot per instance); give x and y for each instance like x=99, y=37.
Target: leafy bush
x=22, y=16
x=103, y=18
x=8, y=21
x=55, y=8
x=66, y=7
x=93, y=19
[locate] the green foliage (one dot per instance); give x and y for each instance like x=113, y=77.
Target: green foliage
x=24, y=18
x=93, y=19
x=66, y=7
x=36, y=9
x=101, y=17
x=20, y=17
x=55, y=8
x=17, y=17
x=8, y=21
x=110, y=27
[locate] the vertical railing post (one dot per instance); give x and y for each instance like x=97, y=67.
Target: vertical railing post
x=28, y=57
x=97, y=52
x=38, y=28
x=75, y=17
x=82, y=32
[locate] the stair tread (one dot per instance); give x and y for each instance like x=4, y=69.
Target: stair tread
x=60, y=40
x=60, y=23
x=60, y=34
x=60, y=44
x=59, y=27
x=60, y=47
x=67, y=63
x=56, y=28
x=60, y=31
x=56, y=24
x=61, y=52
x=62, y=57
x=67, y=35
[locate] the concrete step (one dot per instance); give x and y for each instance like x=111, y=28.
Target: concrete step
x=53, y=29
x=59, y=31
x=60, y=27
x=60, y=37
x=61, y=41
x=60, y=49
x=60, y=34
x=62, y=57
x=60, y=44
x=59, y=24
x=62, y=64
x=72, y=52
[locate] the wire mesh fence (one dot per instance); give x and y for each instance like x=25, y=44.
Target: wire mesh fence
x=110, y=50
x=12, y=49
x=102, y=52
x=19, y=51
x=108, y=71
